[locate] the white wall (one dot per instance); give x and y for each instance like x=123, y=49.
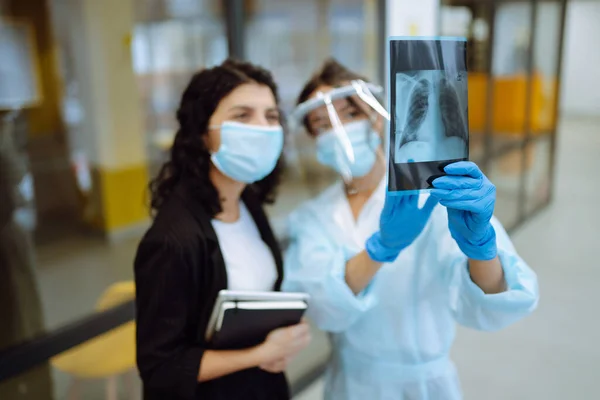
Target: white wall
x=581, y=60
x=412, y=17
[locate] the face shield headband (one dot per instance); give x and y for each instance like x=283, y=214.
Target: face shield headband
x=365, y=96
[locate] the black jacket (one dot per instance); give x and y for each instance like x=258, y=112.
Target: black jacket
x=179, y=270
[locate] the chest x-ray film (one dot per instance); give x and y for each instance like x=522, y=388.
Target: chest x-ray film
x=428, y=107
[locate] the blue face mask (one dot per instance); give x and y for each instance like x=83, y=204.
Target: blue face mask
x=248, y=153
x=364, y=144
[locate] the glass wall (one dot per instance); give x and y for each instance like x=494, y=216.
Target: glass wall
x=172, y=40
x=514, y=59
x=546, y=70
x=514, y=53
x=56, y=286
x=293, y=39
x=175, y=38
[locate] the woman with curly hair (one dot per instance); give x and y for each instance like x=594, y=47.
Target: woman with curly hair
x=210, y=233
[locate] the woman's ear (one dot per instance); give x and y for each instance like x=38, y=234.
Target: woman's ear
x=212, y=139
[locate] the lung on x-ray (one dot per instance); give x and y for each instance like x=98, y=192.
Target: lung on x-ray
x=428, y=98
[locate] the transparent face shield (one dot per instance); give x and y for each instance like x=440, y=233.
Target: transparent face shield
x=346, y=125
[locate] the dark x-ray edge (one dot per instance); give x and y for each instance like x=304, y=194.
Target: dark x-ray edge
x=411, y=178
x=415, y=180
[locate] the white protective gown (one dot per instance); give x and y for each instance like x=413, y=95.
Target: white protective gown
x=392, y=340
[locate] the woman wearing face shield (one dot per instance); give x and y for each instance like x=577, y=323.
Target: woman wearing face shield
x=389, y=277
x=210, y=233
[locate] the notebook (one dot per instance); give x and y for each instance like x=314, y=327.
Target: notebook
x=238, y=323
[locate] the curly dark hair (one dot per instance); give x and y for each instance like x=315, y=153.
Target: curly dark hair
x=189, y=158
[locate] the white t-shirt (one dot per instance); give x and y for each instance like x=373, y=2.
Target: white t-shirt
x=249, y=262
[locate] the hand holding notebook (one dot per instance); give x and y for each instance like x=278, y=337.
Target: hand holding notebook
x=247, y=319
x=282, y=345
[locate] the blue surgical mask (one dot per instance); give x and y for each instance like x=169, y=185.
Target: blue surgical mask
x=364, y=142
x=248, y=153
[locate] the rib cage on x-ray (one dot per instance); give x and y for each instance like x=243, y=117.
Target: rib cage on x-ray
x=451, y=113
x=428, y=98
x=417, y=111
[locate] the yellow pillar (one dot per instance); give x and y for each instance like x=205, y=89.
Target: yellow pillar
x=113, y=123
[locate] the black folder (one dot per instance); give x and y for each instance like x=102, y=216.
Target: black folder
x=243, y=324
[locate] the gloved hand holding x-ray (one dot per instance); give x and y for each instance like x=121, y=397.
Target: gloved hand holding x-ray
x=428, y=82
x=469, y=197
x=401, y=221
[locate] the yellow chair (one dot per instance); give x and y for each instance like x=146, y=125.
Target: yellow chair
x=107, y=356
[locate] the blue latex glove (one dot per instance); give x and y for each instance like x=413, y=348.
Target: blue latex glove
x=469, y=197
x=400, y=223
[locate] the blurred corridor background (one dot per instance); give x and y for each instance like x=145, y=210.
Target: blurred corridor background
x=88, y=93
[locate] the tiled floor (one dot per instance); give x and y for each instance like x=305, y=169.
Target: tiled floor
x=554, y=354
